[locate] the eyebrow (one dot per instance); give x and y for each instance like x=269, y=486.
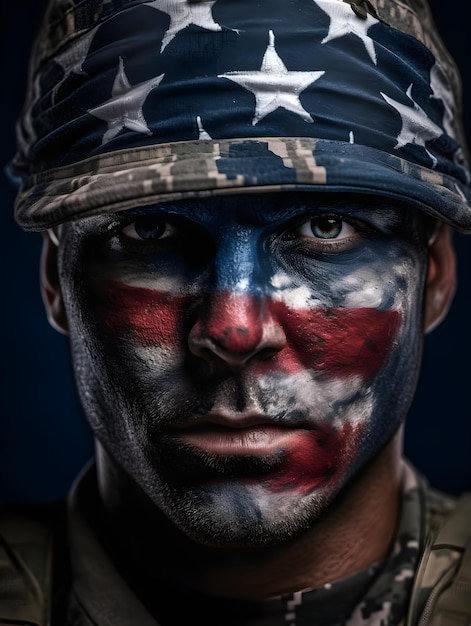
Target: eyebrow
x=384, y=212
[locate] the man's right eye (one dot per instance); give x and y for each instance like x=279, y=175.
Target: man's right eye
x=147, y=228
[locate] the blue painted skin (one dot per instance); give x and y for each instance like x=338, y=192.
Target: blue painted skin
x=243, y=230
x=209, y=260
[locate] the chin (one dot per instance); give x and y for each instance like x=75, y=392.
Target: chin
x=234, y=516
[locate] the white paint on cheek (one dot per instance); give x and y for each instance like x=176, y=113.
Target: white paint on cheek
x=370, y=296
x=318, y=398
x=363, y=288
x=405, y=281
x=393, y=288
x=281, y=281
x=294, y=297
x=297, y=298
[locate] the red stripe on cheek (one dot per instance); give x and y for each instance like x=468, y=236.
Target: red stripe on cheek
x=148, y=316
x=338, y=342
x=317, y=457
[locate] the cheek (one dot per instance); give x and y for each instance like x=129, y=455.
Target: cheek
x=147, y=317
x=320, y=455
x=337, y=342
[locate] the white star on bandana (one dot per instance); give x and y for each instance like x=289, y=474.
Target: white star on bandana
x=182, y=14
x=72, y=59
x=124, y=109
x=417, y=127
x=274, y=86
x=343, y=21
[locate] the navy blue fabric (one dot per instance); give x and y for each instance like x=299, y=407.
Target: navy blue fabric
x=194, y=60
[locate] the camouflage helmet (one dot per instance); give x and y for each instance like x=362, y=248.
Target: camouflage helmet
x=134, y=102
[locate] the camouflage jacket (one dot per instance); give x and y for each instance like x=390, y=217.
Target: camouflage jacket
x=97, y=594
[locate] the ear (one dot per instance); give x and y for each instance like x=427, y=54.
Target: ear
x=50, y=285
x=441, y=277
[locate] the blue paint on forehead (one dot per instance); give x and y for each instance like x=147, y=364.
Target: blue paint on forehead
x=241, y=239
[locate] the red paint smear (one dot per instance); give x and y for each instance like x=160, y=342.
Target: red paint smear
x=148, y=316
x=233, y=322
x=338, y=342
x=317, y=457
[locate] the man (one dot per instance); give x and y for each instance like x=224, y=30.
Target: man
x=246, y=212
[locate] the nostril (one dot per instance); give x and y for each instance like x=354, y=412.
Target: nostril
x=267, y=353
x=236, y=339
x=233, y=330
x=215, y=352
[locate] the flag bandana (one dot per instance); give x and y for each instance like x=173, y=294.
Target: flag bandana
x=132, y=103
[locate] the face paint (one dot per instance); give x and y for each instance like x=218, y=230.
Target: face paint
x=242, y=358
x=315, y=458
x=340, y=342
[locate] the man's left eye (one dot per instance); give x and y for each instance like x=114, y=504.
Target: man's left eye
x=326, y=227
x=147, y=228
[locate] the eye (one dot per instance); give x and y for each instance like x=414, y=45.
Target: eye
x=328, y=233
x=147, y=228
x=326, y=227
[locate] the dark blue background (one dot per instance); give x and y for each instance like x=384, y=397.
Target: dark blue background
x=44, y=440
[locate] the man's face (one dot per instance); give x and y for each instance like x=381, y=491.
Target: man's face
x=242, y=357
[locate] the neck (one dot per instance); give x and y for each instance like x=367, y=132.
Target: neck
x=355, y=532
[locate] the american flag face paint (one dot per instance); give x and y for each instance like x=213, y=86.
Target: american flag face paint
x=243, y=357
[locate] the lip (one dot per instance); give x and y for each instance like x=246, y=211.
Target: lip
x=292, y=454
x=242, y=435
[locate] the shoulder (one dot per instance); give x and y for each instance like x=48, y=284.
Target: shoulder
x=446, y=558
x=29, y=529
x=438, y=506
x=31, y=546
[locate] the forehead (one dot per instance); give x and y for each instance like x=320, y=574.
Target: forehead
x=262, y=210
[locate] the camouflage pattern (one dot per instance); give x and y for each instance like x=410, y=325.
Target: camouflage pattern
x=68, y=168
x=189, y=169
x=67, y=20
x=386, y=586
x=439, y=563
x=377, y=596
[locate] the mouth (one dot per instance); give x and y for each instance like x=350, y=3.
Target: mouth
x=230, y=435
x=285, y=454
x=256, y=440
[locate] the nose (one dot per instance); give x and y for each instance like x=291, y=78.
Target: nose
x=235, y=329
